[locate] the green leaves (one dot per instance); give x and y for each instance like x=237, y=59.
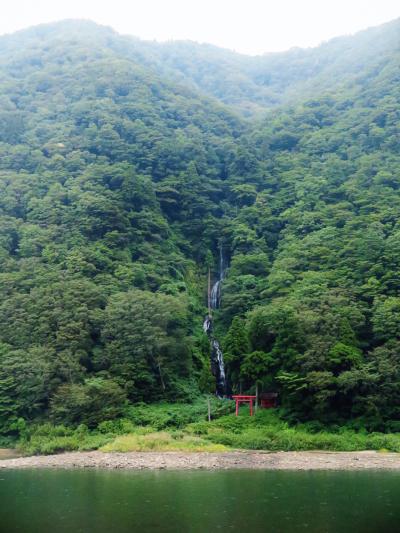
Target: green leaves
x=386, y=318
x=90, y=403
x=256, y=365
x=25, y=383
x=118, y=183
x=144, y=342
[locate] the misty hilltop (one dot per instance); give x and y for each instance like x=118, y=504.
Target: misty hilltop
x=251, y=84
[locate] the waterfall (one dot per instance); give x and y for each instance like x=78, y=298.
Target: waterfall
x=215, y=296
x=207, y=325
x=218, y=367
x=217, y=358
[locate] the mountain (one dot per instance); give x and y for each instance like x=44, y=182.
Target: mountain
x=128, y=167
x=255, y=84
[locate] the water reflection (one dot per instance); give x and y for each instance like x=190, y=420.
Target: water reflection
x=129, y=501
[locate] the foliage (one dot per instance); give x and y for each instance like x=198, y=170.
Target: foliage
x=266, y=431
x=123, y=172
x=89, y=403
x=161, y=442
x=162, y=416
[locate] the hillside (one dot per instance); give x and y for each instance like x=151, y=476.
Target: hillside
x=123, y=172
x=255, y=84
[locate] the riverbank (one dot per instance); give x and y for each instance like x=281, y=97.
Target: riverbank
x=9, y=453
x=212, y=461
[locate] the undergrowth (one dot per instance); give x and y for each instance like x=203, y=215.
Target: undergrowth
x=162, y=441
x=266, y=431
x=177, y=427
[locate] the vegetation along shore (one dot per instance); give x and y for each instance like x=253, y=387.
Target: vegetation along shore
x=184, y=431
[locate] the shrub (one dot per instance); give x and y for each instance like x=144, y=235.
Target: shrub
x=90, y=403
x=166, y=415
x=161, y=441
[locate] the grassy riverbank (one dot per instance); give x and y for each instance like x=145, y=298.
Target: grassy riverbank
x=174, y=427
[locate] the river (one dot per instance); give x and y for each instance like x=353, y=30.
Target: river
x=97, y=501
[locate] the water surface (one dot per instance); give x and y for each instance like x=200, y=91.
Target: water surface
x=46, y=501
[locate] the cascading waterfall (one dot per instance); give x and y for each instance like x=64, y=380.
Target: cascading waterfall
x=207, y=325
x=218, y=367
x=215, y=295
x=217, y=358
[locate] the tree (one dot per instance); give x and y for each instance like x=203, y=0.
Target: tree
x=255, y=367
x=25, y=384
x=236, y=346
x=88, y=403
x=144, y=342
x=386, y=318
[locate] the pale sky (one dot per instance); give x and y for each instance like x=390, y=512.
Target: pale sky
x=247, y=26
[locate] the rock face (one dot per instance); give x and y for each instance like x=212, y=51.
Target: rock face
x=226, y=460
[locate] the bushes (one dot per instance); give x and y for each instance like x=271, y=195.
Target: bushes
x=165, y=427
x=163, y=415
x=116, y=427
x=140, y=419
x=48, y=439
x=161, y=442
x=91, y=402
x=266, y=431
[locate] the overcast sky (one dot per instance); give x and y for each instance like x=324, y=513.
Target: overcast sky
x=248, y=26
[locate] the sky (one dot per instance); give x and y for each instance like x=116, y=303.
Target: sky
x=247, y=26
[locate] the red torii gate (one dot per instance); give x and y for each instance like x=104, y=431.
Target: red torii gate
x=244, y=398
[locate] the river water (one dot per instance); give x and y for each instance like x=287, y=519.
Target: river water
x=47, y=501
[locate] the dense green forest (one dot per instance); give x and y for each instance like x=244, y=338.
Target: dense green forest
x=125, y=167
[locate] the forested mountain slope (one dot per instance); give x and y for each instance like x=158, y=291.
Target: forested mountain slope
x=254, y=84
x=119, y=183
